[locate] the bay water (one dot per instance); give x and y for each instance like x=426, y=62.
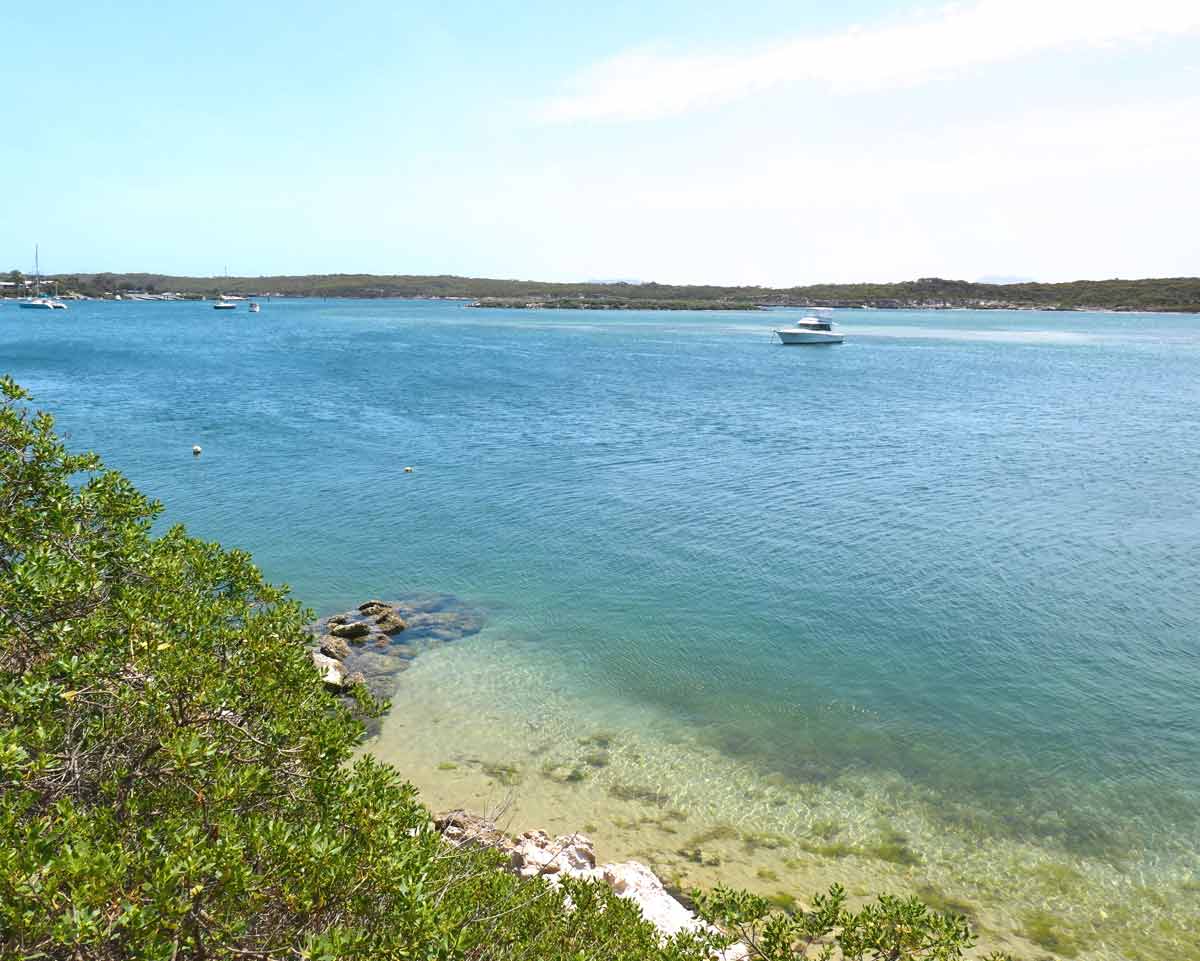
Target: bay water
x=917, y=613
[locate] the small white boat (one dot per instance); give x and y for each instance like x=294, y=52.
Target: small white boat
x=42, y=303
x=222, y=304
x=254, y=308
x=37, y=301
x=810, y=330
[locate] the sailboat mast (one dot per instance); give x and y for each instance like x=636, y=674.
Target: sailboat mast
x=37, y=273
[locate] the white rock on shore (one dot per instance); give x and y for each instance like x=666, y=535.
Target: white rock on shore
x=573, y=855
x=331, y=670
x=537, y=853
x=635, y=881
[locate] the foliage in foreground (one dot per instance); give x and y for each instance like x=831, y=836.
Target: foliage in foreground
x=174, y=782
x=890, y=929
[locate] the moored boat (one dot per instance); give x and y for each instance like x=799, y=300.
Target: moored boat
x=810, y=330
x=254, y=308
x=37, y=301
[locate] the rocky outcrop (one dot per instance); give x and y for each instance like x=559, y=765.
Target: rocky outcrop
x=352, y=629
x=330, y=669
x=635, y=881
x=367, y=639
x=464, y=829
x=536, y=854
x=336, y=647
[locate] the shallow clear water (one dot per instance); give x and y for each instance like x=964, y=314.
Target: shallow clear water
x=938, y=582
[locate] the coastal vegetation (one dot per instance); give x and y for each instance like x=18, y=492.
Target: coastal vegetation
x=176, y=782
x=1177, y=294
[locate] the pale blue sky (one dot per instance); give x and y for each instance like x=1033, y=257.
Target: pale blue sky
x=771, y=142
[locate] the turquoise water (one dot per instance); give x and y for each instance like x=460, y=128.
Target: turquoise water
x=958, y=553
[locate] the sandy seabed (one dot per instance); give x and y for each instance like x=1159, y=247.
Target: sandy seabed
x=480, y=725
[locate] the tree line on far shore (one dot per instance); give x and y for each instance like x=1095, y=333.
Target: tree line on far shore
x=1179, y=294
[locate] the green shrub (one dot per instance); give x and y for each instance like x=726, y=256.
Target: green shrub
x=890, y=929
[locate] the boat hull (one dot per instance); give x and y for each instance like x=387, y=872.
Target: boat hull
x=808, y=337
x=36, y=306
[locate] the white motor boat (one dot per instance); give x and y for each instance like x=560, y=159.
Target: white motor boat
x=810, y=330
x=254, y=308
x=222, y=304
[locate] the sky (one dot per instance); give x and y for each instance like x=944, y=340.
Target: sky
x=683, y=141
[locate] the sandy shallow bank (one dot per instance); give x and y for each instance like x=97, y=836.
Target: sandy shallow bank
x=482, y=725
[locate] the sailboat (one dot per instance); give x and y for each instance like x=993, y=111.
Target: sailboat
x=225, y=301
x=37, y=301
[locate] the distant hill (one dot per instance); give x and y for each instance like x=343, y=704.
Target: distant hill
x=1181, y=294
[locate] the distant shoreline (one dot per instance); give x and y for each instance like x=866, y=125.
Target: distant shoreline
x=1159, y=295
x=708, y=306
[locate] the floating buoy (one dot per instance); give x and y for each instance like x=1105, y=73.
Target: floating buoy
x=195, y=450
x=408, y=470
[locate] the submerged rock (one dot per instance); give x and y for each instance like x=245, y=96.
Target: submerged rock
x=372, y=662
x=443, y=625
x=390, y=622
